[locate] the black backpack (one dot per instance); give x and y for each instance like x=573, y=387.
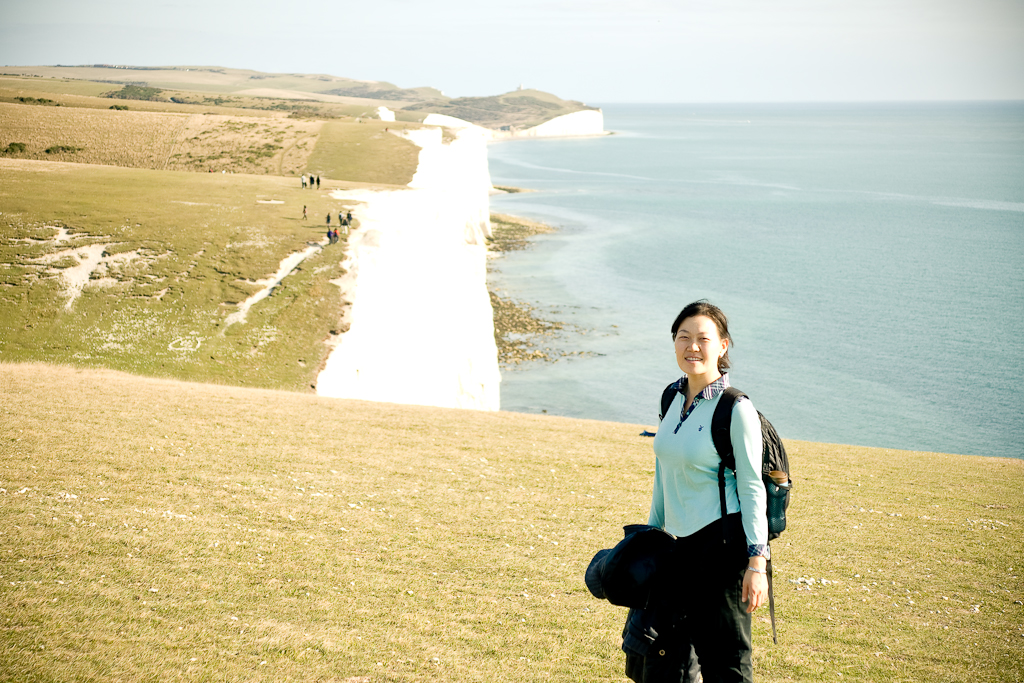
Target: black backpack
x=773, y=458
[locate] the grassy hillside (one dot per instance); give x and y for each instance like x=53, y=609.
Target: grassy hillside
x=140, y=271
x=108, y=257
x=155, y=530
x=253, y=102
x=241, y=144
x=311, y=94
x=198, y=140
x=519, y=109
x=364, y=152
x=221, y=80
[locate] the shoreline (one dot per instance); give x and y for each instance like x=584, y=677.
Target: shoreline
x=435, y=240
x=518, y=328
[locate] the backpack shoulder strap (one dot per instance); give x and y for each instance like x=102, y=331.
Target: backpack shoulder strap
x=721, y=422
x=667, y=396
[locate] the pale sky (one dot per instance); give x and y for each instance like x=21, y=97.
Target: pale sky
x=596, y=51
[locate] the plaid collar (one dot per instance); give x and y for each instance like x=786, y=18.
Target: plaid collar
x=709, y=392
x=706, y=394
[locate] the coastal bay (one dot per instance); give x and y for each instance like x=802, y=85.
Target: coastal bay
x=859, y=249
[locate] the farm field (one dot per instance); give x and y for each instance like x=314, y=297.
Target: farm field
x=226, y=81
x=94, y=136
x=159, y=530
x=271, y=103
x=203, y=142
x=316, y=94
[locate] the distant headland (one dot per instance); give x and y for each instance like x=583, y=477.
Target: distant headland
x=523, y=112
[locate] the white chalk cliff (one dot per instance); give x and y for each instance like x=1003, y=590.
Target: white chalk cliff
x=578, y=123
x=420, y=328
x=420, y=325
x=452, y=122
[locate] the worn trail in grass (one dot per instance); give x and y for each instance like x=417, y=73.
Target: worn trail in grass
x=139, y=270
x=152, y=529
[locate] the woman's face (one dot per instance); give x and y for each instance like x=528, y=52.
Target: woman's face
x=699, y=346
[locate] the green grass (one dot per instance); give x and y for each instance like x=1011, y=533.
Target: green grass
x=521, y=108
x=364, y=151
x=198, y=241
x=135, y=92
x=156, y=530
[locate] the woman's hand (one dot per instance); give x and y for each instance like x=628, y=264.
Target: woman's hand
x=755, y=585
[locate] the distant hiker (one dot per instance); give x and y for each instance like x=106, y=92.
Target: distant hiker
x=328, y=219
x=318, y=182
x=304, y=216
x=349, y=217
x=303, y=181
x=330, y=236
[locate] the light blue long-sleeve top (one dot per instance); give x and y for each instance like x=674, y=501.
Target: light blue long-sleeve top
x=685, y=497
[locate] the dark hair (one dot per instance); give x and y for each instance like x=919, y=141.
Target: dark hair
x=708, y=310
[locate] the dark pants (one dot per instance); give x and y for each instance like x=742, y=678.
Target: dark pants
x=702, y=596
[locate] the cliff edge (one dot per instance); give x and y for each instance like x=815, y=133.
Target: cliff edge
x=420, y=327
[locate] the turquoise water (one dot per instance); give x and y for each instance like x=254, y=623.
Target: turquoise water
x=869, y=258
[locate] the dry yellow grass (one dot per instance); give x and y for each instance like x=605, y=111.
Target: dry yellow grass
x=86, y=94
x=244, y=144
x=113, y=138
x=199, y=132
x=155, y=140
x=160, y=530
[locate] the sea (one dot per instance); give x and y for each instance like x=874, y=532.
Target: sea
x=870, y=258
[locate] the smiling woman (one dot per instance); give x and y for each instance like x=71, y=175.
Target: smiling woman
x=715, y=584
x=701, y=335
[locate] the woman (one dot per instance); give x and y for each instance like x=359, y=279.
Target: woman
x=717, y=576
